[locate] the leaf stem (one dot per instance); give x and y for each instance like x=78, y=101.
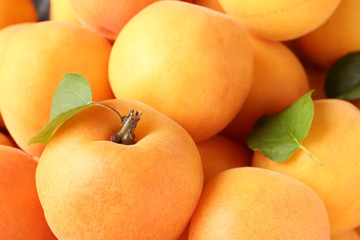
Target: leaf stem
x=310, y=154
x=108, y=107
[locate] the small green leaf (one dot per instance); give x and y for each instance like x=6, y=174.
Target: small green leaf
x=72, y=94
x=277, y=136
x=343, y=78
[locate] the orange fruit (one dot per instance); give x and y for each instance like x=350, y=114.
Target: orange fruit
x=273, y=88
x=6, y=140
x=280, y=20
x=21, y=215
x=334, y=139
x=148, y=190
x=45, y=52
x=220, y=153
x=60, y=10
x=335, y=38
x=253, y=203
x=107, y=17
x=16, y=11
x=349, y=235
x=198, y=76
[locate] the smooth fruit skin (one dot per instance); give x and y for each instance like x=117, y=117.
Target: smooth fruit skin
x=16, y=11
x=33, y=63
x=212, y=4
x=21, y=215
x=220, y=153
x=107, y=17
x=337, y=37
x=334, y=139
x=199, y=76
x=349, y=235
x=280, y=20
x=60, y=10
x=252, y=203
x=6, y=140
x=91, y=188
x=279, y=79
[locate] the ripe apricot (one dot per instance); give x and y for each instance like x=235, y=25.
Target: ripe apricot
x=334, y=139
x=273, y=86
x=60, y=10
x=34, y=62
x=337, y=37
x=317, y=77
x=16, y=11
x=6, y=140
x=219, y=153
x=349, y=235
x=148, y=190
x=253, y=203
x=21, y=215
x=6, y=33
x=199, y=76
x=107, y=17
x=281, y=19
x=212, y=4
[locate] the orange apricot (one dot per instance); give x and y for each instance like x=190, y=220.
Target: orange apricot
x=147, y=190
x=335, y=38
x=274, y=86
x=219, y=153
x=349, y=235
x=107, y=17
x=21, y=215
x=34, y=62
x=334, y=139
x=60, y=10
x=253, y=203
x=199, y=76
x=212, y=4
x=6, y=140
x=16, y=11
x=281, y=19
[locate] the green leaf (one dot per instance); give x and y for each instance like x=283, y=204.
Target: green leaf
x=72, y=95
x=343, y=78
x=277, y=136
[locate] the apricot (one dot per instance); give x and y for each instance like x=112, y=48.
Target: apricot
x=34, y=62
x=349, y=235
x=107, y=17
x=212, y=4
x=253, y=203
x=21, y=215
x=60, y=10
x=219, y=153
x=333, y=139
x=92, y=188
x=198, y=76
x=279, y=79
x=337, y=37
x=281, y=19
x=5, y=35
x=16, y=11
x=6, y=140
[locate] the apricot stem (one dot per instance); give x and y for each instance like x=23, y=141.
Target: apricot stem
x=126, y=134
x=310, y=154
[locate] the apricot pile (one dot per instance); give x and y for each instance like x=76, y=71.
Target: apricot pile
x=178, y=87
